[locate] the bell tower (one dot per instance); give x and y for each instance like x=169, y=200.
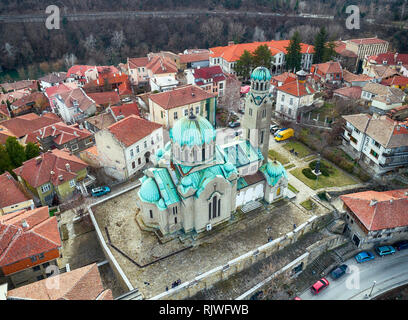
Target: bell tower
x=258, y=111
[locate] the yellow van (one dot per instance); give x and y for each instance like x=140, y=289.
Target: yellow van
x=284, y=134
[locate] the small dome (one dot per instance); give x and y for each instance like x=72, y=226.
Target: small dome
x=275, y=169
x=159, y=153
x=186, y=181
x=261, y=74
x=229, y=167
x=149, y=191
x=192, y=131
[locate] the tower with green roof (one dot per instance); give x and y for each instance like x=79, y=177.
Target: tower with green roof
x=258, y=111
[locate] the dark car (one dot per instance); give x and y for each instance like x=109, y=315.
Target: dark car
x=384, y=250
x=234, y=124
x=364, y=256
x=339, y=271
x=401, y=245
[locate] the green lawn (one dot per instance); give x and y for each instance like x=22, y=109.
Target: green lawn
x=327, y=110
x=292, y=188
x=336, y=179
x=276, y=155
x=299, y=147
x=290, y=166
x=308, y=204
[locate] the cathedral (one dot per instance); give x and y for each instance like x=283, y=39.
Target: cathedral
x=196, y=183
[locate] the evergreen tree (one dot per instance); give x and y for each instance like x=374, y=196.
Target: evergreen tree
x=31, y=151
x=15, y=151
x=5, y=162
x=329, y=51
x=262, y=57
x=294, y=54
x=320, y=45
x=244, y=65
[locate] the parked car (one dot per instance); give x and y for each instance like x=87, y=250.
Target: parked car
x=284, y=134
x=319, y=286
x=401, y=245
x=339, y=271
x=241, y=111
x=273, y=128
x=100, y=191
x=234, y=124
x=126, y=100
x=384, y=250
x=277, y=131
x=364, y=256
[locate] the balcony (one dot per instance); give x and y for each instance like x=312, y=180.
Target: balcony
x=395, y=154
x=349, y=130
x=393, y=164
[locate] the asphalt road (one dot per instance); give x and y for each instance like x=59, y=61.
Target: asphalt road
x=388, y=272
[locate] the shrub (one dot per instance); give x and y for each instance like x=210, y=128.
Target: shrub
x=363, y=176
x=324, y=169
x=346, y=165
x=309, y=174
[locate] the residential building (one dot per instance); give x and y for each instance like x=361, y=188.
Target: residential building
x=380, y=72
x=281, y=79
x=399, y=82
x=162, y=84
x=127, y=145
x=378, y=142
x=391, y=59
x=365, y=47
x=167, y=107
x=137, y=71
x=35, y=102
x=12, y=198
x=19, y=85
x=29, y=245
x=81, y=74
x=294, y=98
x=355, y=80
x=52, y=79
x=73, y=106
x=52, y=176
x=61, y=136
x=197, y=184
x=347, y=58
x=328, y=72
x=105, y=99
x=80, y=284
x=382, y=98
x=375, y=218
x=211, y=79
x=4, y=113
x=226, y=57
x=194, y=58
x=348, y=93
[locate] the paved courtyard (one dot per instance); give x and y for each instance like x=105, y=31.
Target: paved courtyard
x=218, y=247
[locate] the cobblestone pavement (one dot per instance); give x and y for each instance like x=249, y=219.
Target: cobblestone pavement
x=243, y=281
x=236, y=238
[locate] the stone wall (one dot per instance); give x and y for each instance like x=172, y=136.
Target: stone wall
x=208, y=279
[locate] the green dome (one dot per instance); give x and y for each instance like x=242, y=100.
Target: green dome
x=186, y=181
x=192, y=131
x=261, y=74
x=275, y=169
x=149, y=191
x=229, y=167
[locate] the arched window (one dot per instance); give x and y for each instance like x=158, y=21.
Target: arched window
x=262, y=86
x=203, y=154
x=215, y=207
x=256, y=86
x=194, y=154
x=186, y=155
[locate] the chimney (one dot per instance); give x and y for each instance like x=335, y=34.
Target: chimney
x=373, y=202
x=52, y=173
x=231, y=43
x=60, y=177
x=68, y=167
x=24, y=224
x=38, y=160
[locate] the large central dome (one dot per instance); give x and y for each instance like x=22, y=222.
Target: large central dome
x=261, y=74
x=192, y=131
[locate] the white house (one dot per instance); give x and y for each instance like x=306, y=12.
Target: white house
x=126, y=146
x=382, y=98
x=163, y=84
x=380, y=142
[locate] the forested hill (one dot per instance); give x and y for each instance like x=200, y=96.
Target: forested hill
x=388, y=9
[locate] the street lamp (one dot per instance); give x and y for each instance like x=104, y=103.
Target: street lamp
x=374, y=282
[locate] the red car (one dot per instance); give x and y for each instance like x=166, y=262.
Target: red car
x=319, y=286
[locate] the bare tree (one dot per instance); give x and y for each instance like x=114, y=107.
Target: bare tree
x=69, y=60
x=259, y=35
x=90, y=43
x=236, y=31
x=212, y=30
x=307, y=33
x=118, y=39
x=232, y=98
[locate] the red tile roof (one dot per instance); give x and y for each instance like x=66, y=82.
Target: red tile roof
x=23, y=84
x=102, y=98
x=80, y=284
x=340, y=48
x=61, y=88
x=30, y=98
x=285, y=77
x=49, y=166
x=297, y=88
x=10, y=192
x=328, y=67
x=19, y=241
x=138, y=62
x=4, y=110
x=84, y=102
x=351, y=77
x=126, y=110
x=349, y=92
x=78, y=70
x=391, y=58
x=160, y=65
x=194, y=57
x=368, y=41
x=395, y=81
x=180, y=96
x=60, y=132
x=22, y=125
x=132, y=129
x=215, y=73
x=233, y=52
x=379, y=210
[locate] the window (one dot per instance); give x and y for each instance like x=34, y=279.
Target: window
x=283, y=98
x=175, y=220
x=37, y=268
x=209, y=211
x=40, y=278
x=291, y=101
x=161, y=112
x=262, y=137
x=45, y=188
x=264, y=113
x=219, y=208
x=250, y=111
x=72, y=183
x=374, y=154
x=214, y=207
x=175, y=116
x=356, y=130
x=139, y=161
x=203, y=154
x=74, y=147
x=45, y=265
x=376, y=144
x=132, y=153
x=197, y=110
x=152, y=141
x=151, y=214
x=33, y=258
x=352, y=139
x=145, y=144
x=133, y=165
x=186, y=112
x=137, y=149
x=174, y=210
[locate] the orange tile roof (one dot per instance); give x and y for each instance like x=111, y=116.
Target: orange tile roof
x=138, y=62
x=379, y=210
x=328, y=67
x=132, y=129
x=126, y=110
x=297, y=88
x=234, y=52
x=194, y=57
x=80, y=284
x=101, y=98
x=285, y=77
x=395, y=81
x=368, y=41
x=37, y=172
x=18, y=242
x=10, y=192
x=160, y=65
x=180, y=96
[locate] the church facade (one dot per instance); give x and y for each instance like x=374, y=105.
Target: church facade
x=197, y=184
